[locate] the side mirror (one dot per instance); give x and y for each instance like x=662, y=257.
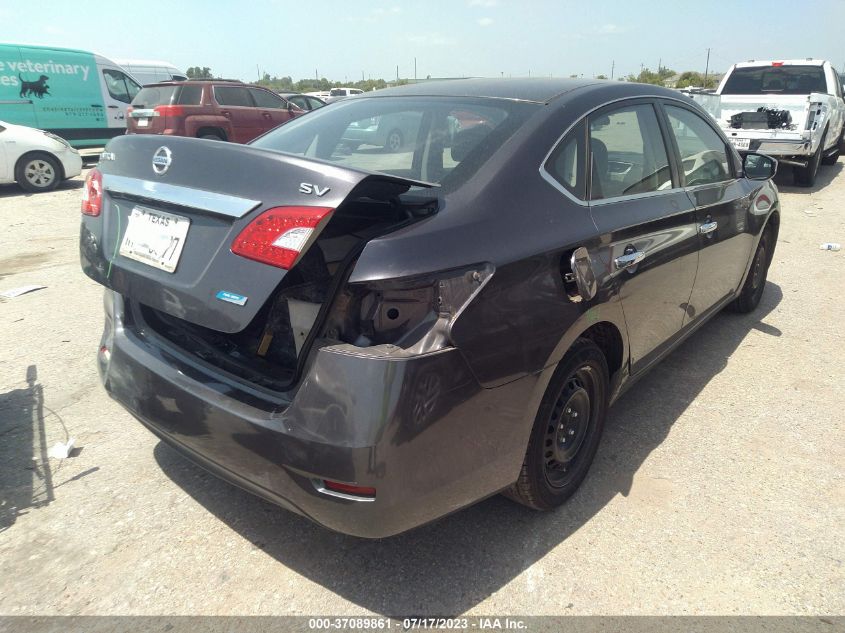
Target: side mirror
x=759, y=166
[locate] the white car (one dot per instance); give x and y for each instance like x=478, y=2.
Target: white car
x=36, y=160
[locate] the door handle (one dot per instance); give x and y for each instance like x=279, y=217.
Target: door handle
x=266, y=115
x=225, y=113
x=113, y=107
x=628, y=259
x=707, y=227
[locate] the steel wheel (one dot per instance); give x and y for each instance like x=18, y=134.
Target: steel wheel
x=566, y=431
x=755, y=283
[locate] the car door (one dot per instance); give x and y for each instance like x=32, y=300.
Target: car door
x=237, y=105
x=646, y=222
x=722, y=206
x=272, y=108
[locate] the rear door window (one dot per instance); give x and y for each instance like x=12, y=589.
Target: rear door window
x=265, y=99
x=627, y=153
x=704, y=157
x=233, y=96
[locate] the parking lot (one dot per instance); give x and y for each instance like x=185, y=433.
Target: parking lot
x=718, y=487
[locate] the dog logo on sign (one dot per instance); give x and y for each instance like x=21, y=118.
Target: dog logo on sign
x=37, y=88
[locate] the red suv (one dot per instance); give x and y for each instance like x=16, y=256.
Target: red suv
x=214, y=109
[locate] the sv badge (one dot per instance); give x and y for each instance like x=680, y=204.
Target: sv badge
x=308, y=189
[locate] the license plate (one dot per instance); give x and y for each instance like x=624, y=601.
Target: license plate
x=142, y=122
x=155, y=238
x=740, y=143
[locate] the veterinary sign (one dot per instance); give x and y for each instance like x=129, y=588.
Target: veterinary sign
x=49, y=88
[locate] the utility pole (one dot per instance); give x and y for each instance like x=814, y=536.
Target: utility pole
x=316, y=75
x=612, y=68
x=659, y=65
x=707, y=68
x=258, y=71
x=415, y=70
x=397, y=74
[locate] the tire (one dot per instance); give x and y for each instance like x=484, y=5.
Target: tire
x=806, y=176
x=552, y=471
x=755, y=282
x=211, y=137
x=394, y=141
x=38, y=173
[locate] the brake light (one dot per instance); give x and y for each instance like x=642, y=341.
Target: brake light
x=358, y=491
x=92, y=193
x=169, y=110
x=280, y=235
x=777, y=63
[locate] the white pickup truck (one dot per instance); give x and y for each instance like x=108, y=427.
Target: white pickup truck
x=792, y=110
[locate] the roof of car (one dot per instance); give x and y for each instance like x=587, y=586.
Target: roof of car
x=536, y=90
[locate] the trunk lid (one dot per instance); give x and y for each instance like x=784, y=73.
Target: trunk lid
x=217, y=189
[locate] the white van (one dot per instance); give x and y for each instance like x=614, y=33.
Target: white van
x=151, y=72
x=79, y=96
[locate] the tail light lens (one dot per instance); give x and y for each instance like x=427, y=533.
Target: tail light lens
x=348, y=489
x=92, y=193
x=169, y=110
x=280, y=235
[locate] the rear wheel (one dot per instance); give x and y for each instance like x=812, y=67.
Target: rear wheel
x=211, y=137
x=566, y=431
x=38, y=172
x=752, y=290
x=806, y=176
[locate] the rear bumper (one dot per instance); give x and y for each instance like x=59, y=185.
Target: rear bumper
x=419, y=429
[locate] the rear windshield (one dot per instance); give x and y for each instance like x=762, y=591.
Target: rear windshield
x=441, y=140
x=153, y=96
x=783, y=80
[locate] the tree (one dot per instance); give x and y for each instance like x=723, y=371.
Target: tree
x=195, y=72
x=695, y=79
x=648, y=76
x=601, y=77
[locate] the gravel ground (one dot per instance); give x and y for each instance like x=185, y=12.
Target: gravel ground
x=718, y=488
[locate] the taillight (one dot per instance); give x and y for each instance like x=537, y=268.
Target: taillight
x=280, y=235
x=777, y=63
x=348, y=489
x=169, y=110
x=92, y=193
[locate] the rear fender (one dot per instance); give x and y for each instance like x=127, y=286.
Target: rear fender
x=195, y=123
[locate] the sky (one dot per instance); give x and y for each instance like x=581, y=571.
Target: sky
x=345, y=40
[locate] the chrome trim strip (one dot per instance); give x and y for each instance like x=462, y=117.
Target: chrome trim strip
x=340, y=495
x=219, y=203
x=634, y=196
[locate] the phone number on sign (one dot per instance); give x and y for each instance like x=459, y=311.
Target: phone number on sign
x=408, y=624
